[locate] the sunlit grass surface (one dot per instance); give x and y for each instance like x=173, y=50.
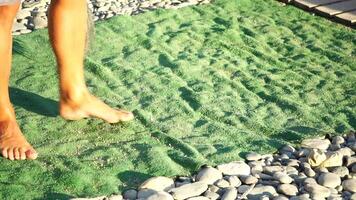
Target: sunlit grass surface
x=206, y=84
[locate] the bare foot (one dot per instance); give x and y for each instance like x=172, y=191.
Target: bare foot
x=13, y=144
x=90, y=106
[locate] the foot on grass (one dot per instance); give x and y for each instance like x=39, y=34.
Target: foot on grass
x=90, y=106
x=13, y=144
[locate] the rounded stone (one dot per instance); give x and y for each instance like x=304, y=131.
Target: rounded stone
x=316, y=143
x=145, y=193
x=213, y=188
x=316, y=157
x=130, y=194
x=317, y=190
x=309, y=181
x=353, y=197
x=209, y=175
x=322, y=170
x=309, y=172
x=222, y=183
x=330, y=180
x=39, y=22
x=160, y=196
x=116, y=197
x=280, y=197
x=211, y=195
x=303, y=152
x=282, y=177
x=340, y=171
x=349, y=185
x=198, y=198
x=249, y=179
x=243, y=188
x=189, y=190
x=338, y=140
x=272, y=169
x=288, y=189
x=237, y=168
x=234, y=181
x=229, y=194
x=353, y=168
x=158, y=183
x=287, y=148
x=252, y=156
x=259, y=191
x=301, y=197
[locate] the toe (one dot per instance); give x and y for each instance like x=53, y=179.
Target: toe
x=31, y=154
x=22, y=153
x=16, y=153
x=4, y=153
x=10, y=153
x=125, y=115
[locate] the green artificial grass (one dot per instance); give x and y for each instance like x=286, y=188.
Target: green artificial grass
x=206, y=83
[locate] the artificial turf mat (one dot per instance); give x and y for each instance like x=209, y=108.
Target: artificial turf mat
x=206, y=83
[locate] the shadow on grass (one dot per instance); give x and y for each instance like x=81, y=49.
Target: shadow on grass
x=34, y=103
x=131, y=179
x=20, y=48
x=55, y=195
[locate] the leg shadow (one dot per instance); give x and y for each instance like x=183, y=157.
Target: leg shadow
x=34, y=103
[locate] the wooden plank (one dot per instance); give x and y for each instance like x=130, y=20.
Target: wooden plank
x=314, y=3
x=337, y=8
x=348, y=16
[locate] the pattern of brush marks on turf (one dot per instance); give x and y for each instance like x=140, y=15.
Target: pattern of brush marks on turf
x=206, y=84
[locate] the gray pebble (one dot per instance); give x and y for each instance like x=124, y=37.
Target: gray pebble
x=40, y=22
x=282, y=177
x=330, y=180
x=198, y=198
x=158, y=183
x=115, y=197
x=229, y=194
x=189, y=190
x=243, y=188
x=287, y=148
x=316, y=143
x=341, y=171
x=272, y=169
x=349, y=185
x=280, y=197
x=222, y=183
x=288, y=189
x=253, y=156
x=160, y=196
x=301, y=197
x=145, y=193
x=338, y=140
x=317, y=190
x=209, y=175
x=130, y=194
x=249, y=179
x=213, y=188
x=259, y=191
x=211, y=195
x=234, y=181
x=237, y=168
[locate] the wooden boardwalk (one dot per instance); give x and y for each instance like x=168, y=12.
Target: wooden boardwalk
x=343, y=11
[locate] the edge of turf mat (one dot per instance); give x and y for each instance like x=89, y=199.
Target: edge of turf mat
x=207, y=83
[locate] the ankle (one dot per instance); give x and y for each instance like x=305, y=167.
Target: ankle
x=75, y=96
x=6, y=112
